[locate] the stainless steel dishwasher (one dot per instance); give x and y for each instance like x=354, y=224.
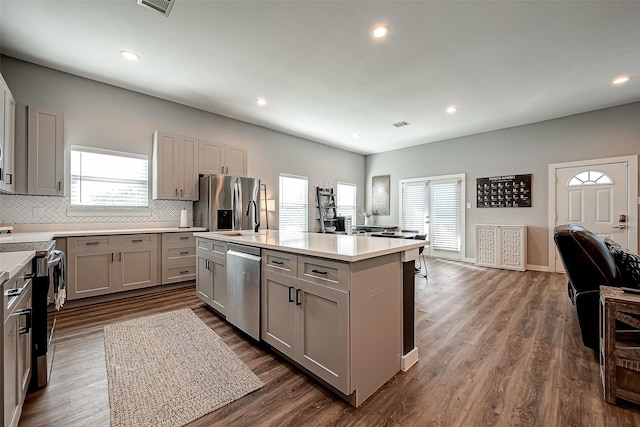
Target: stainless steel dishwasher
x=243, y=288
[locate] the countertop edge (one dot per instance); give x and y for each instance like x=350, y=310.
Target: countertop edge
x=13, y=262
x=408, y=245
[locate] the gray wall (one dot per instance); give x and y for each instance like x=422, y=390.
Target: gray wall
x=520, y=150
x=101, y=115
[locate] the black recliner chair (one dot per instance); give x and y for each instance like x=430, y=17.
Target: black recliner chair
x=588, y=264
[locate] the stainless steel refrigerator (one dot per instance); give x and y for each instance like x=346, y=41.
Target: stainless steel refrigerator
x=228, y=203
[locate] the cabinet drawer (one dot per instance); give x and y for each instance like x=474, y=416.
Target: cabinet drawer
x=12, y=289
x=83, y=243
x=174, y=253
x=177, y=240
x=280, y=263
x=137, y=240
x=180, y=273
x=206, y=246
x=324, y=272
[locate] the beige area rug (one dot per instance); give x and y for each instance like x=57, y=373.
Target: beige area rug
x=170, y=369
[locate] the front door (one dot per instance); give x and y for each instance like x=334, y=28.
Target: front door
x=595, y=196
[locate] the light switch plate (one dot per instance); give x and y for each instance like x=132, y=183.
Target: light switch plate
x=468, y=205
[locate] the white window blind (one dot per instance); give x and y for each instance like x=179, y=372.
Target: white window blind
x=293, y=205
x=445, y=216
x=108, y=178
x=347, y=200
x=414, y=197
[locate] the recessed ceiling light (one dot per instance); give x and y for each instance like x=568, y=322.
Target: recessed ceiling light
x=380, y=31
x=129, y=55
x=356, y=135
x=621, y=79
x=261, y=101
x=451, y=109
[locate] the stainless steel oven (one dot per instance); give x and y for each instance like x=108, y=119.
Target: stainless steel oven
x=44, y=262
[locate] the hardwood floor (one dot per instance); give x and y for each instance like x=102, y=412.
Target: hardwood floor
x=496, y=348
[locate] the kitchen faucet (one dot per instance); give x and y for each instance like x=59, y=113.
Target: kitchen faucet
x=256, y=225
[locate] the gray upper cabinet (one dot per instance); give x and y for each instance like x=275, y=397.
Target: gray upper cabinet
x=7, y=138
x=174, y=167
x=216, y=158
x=46, y=152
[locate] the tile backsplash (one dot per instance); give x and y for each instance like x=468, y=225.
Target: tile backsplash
x=17, y=209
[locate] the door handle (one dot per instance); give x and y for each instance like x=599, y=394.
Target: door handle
x=620, y=227
x=27, y=313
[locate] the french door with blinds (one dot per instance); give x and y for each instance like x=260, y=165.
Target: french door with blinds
x=433, y=206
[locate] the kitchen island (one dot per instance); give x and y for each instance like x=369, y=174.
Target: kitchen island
x=338, y=306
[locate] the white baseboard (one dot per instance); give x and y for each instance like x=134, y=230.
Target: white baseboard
x=469, y=260
x=534, y=267
x=409, y=359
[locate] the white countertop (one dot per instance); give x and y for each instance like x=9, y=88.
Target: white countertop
x=12, y=262
x=340, y=247
x=45, y=236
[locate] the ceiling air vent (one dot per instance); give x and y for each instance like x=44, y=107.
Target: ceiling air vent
x=162, y=6
x=401, y=124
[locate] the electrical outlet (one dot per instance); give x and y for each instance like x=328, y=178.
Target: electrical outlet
x=38, y=212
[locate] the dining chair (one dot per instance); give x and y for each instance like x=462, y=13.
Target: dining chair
x=421, y=257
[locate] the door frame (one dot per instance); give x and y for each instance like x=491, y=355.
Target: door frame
x=462, y=177
x=632, y=199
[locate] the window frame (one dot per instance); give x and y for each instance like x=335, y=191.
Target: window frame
x=353, y=212
x=305, y=227
x=106, y=210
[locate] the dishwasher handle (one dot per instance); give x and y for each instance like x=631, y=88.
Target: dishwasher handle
x=251, y=257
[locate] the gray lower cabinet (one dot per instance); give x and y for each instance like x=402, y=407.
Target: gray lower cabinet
x=100, y=265
x=211, y=280
x=305, y=314
x=16, y=345
x=178, y=257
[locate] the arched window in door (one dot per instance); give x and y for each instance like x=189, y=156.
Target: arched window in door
x=589, y=178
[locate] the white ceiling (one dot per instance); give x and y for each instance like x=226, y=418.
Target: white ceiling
x=503, y=63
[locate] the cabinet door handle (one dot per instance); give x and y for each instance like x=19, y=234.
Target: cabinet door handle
x=1, y=179
x=111, y=256
x=277, y=262
x=181, y=192
x=119, y=256
x=184, y=237
x=184, y=253
x=318, y=271
x=226, y=169
x=290, y=296
x=206, y=264
x=298, y=302
x=27, y=313
x=59, y=185
x=29, y=276
x=176, y=192
x=222, y=171
x=13, y=292
x=137, y=240
x=92, y=243
x=184, y=271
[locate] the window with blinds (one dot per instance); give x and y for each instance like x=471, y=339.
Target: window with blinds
x=445, y=216
x=104, y=178
x=414, y=206
x=294, y=203
x=347, y=200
